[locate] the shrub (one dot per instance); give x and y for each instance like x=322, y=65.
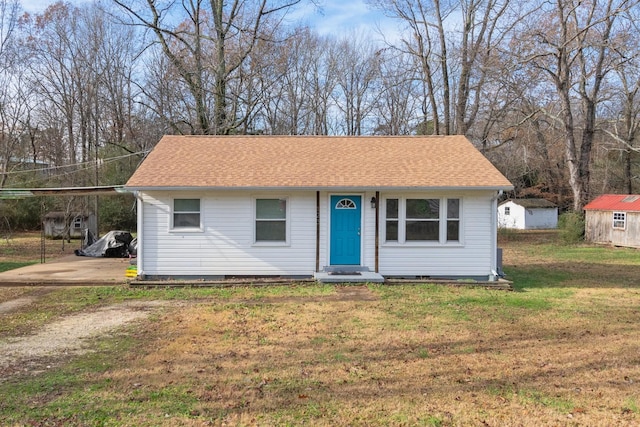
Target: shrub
x=21, y=214
x=571, y=225
x=117, y=213
x=507, y=234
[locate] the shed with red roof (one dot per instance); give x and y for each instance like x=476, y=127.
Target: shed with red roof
x=613, y=219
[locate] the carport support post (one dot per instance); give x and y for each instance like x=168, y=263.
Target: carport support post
x=43, y=245
x=377, y=238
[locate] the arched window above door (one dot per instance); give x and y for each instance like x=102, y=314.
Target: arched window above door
x=345, y=204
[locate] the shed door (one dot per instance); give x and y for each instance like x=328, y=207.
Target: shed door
x=345, y=230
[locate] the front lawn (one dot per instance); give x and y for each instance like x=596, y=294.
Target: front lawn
x=562, y=349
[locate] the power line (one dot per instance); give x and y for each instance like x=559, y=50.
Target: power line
x=83, y=165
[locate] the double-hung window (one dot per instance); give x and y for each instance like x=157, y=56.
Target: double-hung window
x=422, y=219
x=271, y=220
x=392, y=220
x=453, y=220
x=186, y=213
x=619, y=220
x=429, y=220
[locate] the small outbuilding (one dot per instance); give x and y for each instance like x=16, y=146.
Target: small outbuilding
x=57, y=223
x=527, y=214
x=613, y=219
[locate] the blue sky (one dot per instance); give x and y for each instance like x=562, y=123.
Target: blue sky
x=338, y=17
x=332, y=17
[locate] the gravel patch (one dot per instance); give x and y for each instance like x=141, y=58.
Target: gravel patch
x=14, y=304
x=68, y=336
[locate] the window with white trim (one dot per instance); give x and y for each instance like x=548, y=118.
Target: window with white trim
x=391, y=232
x=429, y=220
x=507, y=210
x=453, y=220
x=77, y=222
x=271, y=220
x=186, y=213
x=620, y=220
x=422, y=219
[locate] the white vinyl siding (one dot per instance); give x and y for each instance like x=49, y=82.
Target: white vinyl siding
x=226, y=245
x=472, y=256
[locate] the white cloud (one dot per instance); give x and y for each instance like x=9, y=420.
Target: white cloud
x=345, y=17
x=34, y=6
x=38, y=6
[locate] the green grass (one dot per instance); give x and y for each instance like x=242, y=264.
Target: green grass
x=420, y=354
x=545, y=399
x=6, y=266
x=590, y=254
x=524, y=278
x=631, y=405
x=64, y=395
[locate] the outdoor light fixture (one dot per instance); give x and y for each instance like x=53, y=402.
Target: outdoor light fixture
x=373, y=203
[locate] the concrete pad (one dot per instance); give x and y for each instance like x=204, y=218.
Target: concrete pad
x=361, y=277
x=70, y=270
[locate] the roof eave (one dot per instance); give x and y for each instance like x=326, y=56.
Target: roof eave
x=325, y=188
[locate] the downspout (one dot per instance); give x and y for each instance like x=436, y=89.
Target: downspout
x=139, y=227
x=317, y=231
x=494, y=236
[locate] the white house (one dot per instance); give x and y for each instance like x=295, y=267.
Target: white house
x=215, y=207
x=527, y=214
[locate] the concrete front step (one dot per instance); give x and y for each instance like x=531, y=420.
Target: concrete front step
x=347, y=274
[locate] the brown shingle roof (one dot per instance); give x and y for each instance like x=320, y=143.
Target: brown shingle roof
x=316, y=162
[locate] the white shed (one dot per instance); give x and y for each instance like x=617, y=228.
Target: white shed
x=527, y=214
x=217, y=207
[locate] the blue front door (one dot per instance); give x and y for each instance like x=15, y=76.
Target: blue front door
x=345, y=230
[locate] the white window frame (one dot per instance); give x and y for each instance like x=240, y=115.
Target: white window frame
x=448, y=219
x=402, y=218
x=617, y=218
x=507, y=210
x=287, y=219
x=175, y=228
x=77, y=223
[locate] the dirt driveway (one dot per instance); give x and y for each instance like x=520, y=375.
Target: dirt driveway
x=66, y=337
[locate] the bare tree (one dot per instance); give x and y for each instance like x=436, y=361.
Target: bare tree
x=623, y=108
x=297, y=80
x=451, y=56
x=211, y=42
x=9, y=10
x=398, y=106
x=573, y=45
x=13, y=105
x=357, y=71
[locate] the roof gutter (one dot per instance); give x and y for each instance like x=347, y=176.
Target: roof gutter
x=22, y=193
x=336, y=188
